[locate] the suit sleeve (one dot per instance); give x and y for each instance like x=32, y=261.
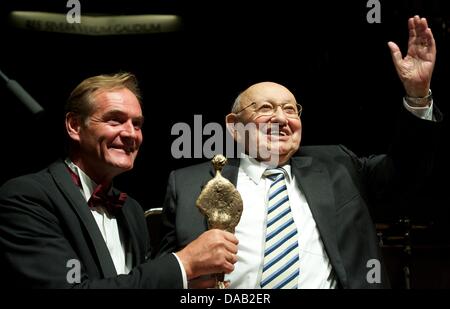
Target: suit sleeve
x=414, y=147
x=169, y=240
x=398, y=177
x=37, y=252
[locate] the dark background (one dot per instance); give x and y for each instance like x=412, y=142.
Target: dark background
x=335, y=62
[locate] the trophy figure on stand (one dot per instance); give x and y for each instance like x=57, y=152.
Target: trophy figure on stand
x=221, y=204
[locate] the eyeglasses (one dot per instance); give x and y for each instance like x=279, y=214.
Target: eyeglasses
x=291, y=110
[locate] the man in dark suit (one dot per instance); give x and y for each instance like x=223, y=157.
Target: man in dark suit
x=66, y=226
x=329, y=188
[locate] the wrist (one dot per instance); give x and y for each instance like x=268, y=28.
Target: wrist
x=186, y=264
x=419, y=101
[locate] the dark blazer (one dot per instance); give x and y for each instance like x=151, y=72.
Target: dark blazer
x=339, y=187
x=45, y=222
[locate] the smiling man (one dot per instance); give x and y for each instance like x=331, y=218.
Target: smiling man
x=273, y=132
x=306, y=210
x=67, y=226
x=107, y=142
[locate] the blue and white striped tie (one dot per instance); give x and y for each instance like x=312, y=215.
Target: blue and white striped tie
x=281, y=255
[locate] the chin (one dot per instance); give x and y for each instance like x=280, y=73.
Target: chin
x=123, y=165
x=283, y=151
x=126, y=166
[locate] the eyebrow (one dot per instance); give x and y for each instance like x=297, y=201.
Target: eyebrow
x=277, y=103
x=117, y=112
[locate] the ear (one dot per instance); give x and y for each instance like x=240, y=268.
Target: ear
x=231, y=120
x=73, y=126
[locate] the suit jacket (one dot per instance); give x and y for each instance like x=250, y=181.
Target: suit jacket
x=46, y=225
x=339, y=187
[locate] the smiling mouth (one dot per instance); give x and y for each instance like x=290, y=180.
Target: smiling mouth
x=126, y=150
x=275, y=132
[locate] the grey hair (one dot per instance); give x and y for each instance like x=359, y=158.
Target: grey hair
x=237, y=103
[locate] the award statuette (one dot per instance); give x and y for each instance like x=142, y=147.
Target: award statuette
x=221, y=203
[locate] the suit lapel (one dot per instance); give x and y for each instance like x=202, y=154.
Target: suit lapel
x=315, y=183
x=128, y=225
x=63, y=180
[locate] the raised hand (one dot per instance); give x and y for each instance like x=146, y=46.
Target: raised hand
x=416, y=69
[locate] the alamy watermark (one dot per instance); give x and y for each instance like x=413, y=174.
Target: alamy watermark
x=74, y=14
x=258, y=140
x=374, y=14
x=74, y=272
x=374, y=273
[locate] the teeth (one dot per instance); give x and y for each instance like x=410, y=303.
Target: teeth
x=275, y=132
x=126, y=150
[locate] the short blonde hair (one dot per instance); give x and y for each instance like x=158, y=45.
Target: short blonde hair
x=80, y=101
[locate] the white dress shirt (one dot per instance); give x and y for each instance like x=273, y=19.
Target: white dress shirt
x=119, y=249
x=425, y=113
x=315, y=267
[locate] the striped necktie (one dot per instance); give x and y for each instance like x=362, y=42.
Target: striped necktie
x=281, y=255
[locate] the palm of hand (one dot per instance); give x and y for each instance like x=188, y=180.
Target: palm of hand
x=417, y=67
x=415, y=70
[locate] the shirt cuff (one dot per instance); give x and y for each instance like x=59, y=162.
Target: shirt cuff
x=183, y=272
x=421, y=112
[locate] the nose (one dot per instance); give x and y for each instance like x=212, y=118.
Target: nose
x=279, y=116
x=130, y=135
x=129, y=131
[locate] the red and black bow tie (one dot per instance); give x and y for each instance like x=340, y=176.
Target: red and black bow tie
x=100, y=196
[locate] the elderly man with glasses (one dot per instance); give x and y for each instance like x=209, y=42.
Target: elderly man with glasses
x=306, y=210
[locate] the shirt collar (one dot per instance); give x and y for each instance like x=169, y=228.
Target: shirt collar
x=255, y=169
x=87, y=184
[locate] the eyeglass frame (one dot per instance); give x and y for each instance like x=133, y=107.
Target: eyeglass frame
x=298, y=105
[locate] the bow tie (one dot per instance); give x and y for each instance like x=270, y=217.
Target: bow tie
x=100, y=196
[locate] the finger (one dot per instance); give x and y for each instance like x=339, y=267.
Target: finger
x=230, y=237
x=427, y=40
x=415, y=26
x=231, y=247
x=424, y=35
x=226, y=268
x=395, y=53
x=411, y=27
x=431, y=40
x=203, y=283
x=424, y=23
x=232, y=258
x=421, y=27
x=412, y=31
x=225, y=235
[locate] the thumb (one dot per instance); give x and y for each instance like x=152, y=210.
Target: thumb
x=395, y=53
